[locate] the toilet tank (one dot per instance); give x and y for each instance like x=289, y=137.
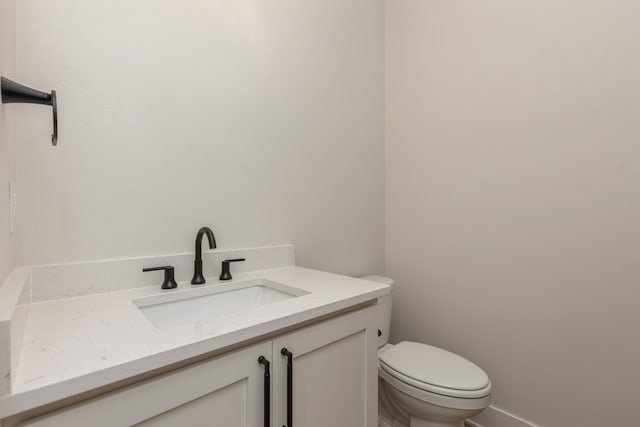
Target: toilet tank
x=384, y=310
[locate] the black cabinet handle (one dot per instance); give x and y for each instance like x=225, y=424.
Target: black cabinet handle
x=267, y=390
x=289, y=356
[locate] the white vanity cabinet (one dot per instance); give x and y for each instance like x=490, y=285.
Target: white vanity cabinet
x=333, y=379
x=224, y=391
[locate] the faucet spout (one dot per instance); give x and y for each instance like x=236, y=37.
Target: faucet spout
x=198, y=278
x=210, y=237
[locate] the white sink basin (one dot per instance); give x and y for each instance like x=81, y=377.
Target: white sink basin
x=193, y=305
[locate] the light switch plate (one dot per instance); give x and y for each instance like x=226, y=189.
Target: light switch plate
x=12, y=205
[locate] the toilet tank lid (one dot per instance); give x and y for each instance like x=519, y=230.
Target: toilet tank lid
x=379, y=279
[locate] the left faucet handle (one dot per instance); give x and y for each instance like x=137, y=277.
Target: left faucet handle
x=169, y=281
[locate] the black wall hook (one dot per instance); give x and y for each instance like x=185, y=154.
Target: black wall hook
x=13, y=92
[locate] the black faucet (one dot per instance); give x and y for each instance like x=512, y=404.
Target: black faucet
x=198, y=278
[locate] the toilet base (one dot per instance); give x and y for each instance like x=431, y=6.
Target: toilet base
x=423, y=423
x=403, y=408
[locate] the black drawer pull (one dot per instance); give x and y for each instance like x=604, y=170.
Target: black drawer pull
x=267, y=390
x=289, y=356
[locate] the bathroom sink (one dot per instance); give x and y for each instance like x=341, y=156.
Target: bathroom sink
x=193, y=305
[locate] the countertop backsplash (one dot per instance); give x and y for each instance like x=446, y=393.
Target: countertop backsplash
x=15, y=303
x=61, y=281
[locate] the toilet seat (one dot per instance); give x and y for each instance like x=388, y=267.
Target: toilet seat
x=433, y=370
x=397, y=386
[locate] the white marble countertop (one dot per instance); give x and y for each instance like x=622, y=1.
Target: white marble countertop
x=77, y=344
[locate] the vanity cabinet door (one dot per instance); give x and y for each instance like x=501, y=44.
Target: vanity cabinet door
x=334, y=366
x=224, y=391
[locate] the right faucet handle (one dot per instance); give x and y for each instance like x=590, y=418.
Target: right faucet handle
x=225, y=274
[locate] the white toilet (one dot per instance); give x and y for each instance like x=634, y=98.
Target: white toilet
x=424, y=386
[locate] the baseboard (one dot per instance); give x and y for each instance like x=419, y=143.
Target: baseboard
x=496, y=417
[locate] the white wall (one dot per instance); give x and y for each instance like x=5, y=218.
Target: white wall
x=513, y=197
x=262, y=119
x=7, y=133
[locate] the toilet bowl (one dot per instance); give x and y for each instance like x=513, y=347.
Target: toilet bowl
x=424, y=386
